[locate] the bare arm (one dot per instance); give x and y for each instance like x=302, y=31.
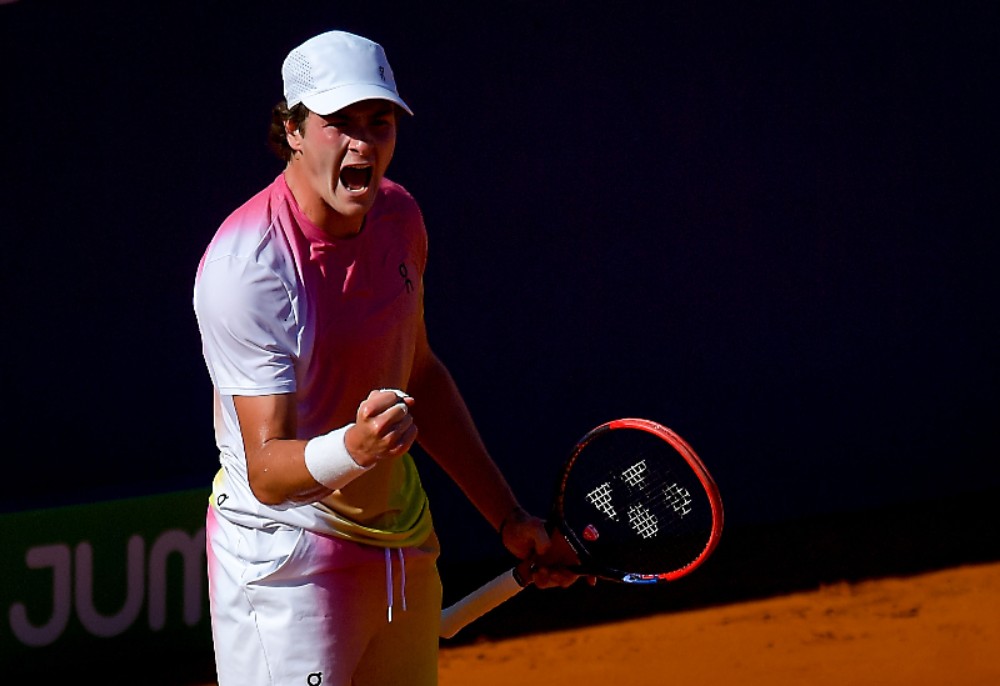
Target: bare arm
x=276, y=468
x=450, y=437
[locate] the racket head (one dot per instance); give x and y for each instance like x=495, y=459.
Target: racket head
x=637, y=504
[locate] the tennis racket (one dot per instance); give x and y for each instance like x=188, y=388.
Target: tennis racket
x=635, y=504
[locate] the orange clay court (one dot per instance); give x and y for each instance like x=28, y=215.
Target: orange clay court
x=941, y=627
x=937, y=628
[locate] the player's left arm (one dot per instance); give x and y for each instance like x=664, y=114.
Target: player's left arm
x=449, y=435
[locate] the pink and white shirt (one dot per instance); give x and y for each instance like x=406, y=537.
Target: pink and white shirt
x=284, y=308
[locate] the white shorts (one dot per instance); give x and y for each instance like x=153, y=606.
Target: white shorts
x=291, y=607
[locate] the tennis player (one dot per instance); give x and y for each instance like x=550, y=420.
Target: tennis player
x=309, y=298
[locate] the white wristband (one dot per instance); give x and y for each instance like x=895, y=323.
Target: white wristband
x=329, y=462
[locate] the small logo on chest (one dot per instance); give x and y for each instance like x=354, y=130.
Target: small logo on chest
x=405, y=273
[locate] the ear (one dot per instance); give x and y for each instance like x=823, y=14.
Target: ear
x=293, y=135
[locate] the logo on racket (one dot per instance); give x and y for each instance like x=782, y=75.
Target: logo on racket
x=679, y=498
x=641, y=515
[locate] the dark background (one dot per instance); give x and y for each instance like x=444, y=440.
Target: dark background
x=769, y=226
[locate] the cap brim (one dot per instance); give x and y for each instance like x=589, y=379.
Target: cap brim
x=338, y=98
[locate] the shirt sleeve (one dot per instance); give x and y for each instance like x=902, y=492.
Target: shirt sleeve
x=248, y=327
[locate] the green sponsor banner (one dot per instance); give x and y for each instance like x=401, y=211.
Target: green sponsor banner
x=117, y=585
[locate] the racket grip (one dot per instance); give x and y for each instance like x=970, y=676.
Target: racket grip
x=479, y=602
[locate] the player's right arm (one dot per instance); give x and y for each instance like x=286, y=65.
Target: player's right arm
x=276, y=462
x=250, y=338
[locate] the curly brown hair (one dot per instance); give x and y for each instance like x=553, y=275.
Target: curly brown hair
x=277, y=138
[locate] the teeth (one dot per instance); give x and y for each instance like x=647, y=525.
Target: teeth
x=356, y=178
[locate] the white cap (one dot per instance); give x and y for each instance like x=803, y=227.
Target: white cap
x=336, y=69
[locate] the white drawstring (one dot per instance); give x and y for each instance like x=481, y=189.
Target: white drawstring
x=402, y=577
x=389, y=592
x=388, y=581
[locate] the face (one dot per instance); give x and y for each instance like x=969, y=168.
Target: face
x=338, y=162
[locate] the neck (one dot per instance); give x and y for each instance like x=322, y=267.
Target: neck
x=315, y=207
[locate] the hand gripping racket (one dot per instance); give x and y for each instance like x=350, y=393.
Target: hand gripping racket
x=636, y=505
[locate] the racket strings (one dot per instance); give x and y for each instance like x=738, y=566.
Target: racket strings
x=654, y=500
x=645, y=507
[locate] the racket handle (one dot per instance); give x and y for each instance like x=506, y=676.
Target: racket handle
x=479, y=602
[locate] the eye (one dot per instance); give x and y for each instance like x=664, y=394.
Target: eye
x=384, y=118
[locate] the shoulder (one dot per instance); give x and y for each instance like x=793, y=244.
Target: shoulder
x=393, y=198
x=397, y=218
x=249, y=226
x=248, y=257
x=397, y=213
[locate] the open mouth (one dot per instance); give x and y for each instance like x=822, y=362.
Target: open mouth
x=356, y=178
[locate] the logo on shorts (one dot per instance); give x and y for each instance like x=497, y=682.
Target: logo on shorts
x=314, y=679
